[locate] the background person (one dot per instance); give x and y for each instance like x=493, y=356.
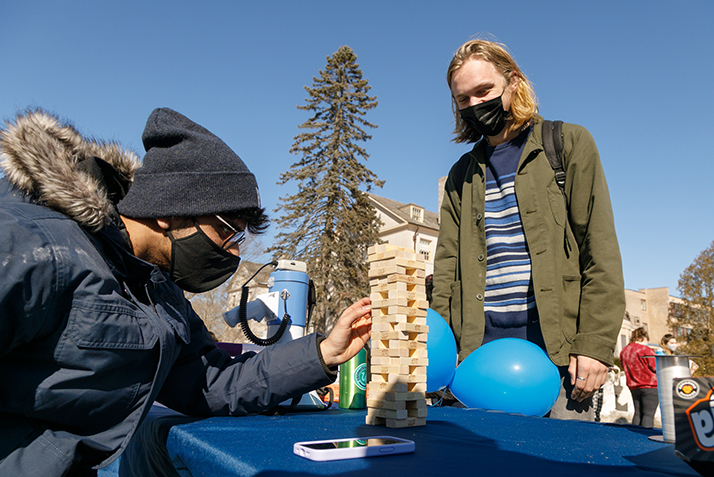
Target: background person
x=514, y=259
x=95, y=326
x=668, y=344
x=641, y=375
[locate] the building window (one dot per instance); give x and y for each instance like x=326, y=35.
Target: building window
x=425, y=249
x=417, y=214
x=681, y=333
x=643, y=305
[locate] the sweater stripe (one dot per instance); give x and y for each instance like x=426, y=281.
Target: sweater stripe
x=509, y=290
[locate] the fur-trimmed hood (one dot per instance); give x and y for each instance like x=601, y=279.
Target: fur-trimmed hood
x=40, y=155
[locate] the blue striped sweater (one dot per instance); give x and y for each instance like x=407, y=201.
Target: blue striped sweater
x=509, y=301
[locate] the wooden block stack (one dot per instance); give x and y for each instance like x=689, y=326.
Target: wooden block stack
x=396, y=392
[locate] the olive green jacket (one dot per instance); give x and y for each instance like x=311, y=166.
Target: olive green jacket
x=576, y=264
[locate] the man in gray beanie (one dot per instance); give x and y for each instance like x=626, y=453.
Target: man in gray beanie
x=190, y=181
x=95, y=326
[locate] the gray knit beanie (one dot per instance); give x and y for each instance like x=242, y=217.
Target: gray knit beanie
x=187, y=172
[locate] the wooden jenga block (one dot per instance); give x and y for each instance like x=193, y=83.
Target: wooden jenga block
x=390, y=279
x=398, y=378
x=402, y=297
x=395, y=319
x=381, y=326
x=383, y=360
x=381, y=248
x=397, y=352
x=392, y=387
x=408, y=396
x=399, y=301
x=401, y=423
x=408, y=294
x=377, y=270
x=398, y=414
x=401, y=370
x=377, y=317
x=399, y=325
x=414, y=361
x=394, y=253
x=398, y=361
x=392, y=405
x=389, y=369
x=397, y=344
x=398, y=310
x=410, y=327
x=390, y=335
x=388, y=413
x=383, y=285
x=386, y=247
x=416, y=343
x=399, y=336
x=399, y=262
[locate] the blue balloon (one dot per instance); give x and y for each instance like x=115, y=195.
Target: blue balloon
x=510, y=375
x=441, y=352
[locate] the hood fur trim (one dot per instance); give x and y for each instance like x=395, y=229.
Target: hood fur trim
x=39, y=155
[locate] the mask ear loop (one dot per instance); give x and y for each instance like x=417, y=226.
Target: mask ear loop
x=173, y=250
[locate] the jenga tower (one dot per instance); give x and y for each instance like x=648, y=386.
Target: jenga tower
x=396, y=392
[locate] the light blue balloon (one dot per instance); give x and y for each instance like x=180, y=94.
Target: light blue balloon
x=510, y=375
x=441, y=352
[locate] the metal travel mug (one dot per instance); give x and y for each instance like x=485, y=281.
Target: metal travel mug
x=353, y=382
x=668, y=368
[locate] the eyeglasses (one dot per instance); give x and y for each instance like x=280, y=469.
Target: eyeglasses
x=237, y=236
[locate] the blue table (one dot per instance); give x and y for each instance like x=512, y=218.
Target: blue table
x=454, y=442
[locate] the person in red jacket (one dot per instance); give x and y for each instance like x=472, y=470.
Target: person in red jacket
x=641, y=377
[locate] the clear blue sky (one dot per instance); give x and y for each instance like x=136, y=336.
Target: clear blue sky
x=637, y=74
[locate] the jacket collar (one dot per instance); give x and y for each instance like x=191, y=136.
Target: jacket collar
x=56, y=166
x=535, y=139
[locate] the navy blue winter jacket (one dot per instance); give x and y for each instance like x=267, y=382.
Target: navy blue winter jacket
x=90, y=335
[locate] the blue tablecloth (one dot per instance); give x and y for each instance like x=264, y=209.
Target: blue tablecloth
x=454, y=441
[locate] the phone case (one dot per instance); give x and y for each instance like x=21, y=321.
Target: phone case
x=402, y=446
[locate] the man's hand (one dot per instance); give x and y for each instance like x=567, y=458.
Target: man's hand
x=587, y=375
x=349, y=335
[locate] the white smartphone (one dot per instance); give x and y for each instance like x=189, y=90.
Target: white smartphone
x=353, y=448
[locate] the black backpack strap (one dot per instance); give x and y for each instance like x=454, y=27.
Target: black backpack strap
x=553, y=147
x=459, y=174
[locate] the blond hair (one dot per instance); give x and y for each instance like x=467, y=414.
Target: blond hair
x=524, y=104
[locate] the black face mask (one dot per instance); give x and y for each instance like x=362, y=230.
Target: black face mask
x=198, y=264
x=487, y=118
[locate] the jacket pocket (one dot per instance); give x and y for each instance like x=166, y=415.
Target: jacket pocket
x=106, y=355
x=571, y=306
x=94, y=324
x=455, y=309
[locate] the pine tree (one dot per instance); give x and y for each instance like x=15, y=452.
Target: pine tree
x=693, y=319
x=329, y=223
